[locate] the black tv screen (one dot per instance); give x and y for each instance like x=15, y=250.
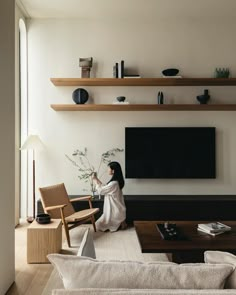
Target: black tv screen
x=170, y=152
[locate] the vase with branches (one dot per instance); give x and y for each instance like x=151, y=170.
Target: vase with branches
x=81, y=161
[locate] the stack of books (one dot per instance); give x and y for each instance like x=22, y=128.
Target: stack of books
x=119, y=71
x=213, y=228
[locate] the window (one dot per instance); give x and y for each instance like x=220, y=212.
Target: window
x=23, y=95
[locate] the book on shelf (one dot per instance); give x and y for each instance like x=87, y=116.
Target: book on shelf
x=115, y=70
x=131, y=76
x=209, y=233
x=121, y=68
x=120, y=102
x=177, y=76
x=214, y=227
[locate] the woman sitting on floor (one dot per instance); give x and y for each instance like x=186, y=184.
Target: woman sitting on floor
x=114, y=210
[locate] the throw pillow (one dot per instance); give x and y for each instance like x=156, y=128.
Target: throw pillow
x=214, y=257
x=87, y=246
x=83, y=272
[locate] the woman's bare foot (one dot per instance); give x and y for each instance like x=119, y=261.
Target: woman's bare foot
x=123, y=225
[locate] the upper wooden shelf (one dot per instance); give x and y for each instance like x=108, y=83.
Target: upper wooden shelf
x=144, y=107
x=144, y=81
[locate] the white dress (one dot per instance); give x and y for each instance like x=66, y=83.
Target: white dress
x=114, y=210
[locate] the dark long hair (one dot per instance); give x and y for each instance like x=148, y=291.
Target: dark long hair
x=118, y=175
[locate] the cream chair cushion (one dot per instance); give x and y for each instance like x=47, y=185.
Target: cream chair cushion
x=80, y=215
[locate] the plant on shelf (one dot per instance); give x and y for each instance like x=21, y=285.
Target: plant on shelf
x=81, y=161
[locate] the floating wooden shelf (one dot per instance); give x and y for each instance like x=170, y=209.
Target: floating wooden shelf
x=144, y=82
x=144, y=107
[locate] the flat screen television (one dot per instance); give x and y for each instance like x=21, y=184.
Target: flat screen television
x=170, y=152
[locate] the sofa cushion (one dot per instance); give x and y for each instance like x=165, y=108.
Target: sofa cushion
x=81, y=272
x=141, y=292
x=223, y=257
x=87, y=246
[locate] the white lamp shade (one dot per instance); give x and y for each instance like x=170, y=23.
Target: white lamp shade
x=33, y=142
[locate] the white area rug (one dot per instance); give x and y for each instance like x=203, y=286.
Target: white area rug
x=120, y=245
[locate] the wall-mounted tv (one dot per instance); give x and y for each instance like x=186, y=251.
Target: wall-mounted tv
x=170, y=152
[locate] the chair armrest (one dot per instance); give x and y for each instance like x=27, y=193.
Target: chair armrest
x=88, y=198
x=55, y=207
x=81, y=199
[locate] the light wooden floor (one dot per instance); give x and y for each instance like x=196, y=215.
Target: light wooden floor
x=30, y=279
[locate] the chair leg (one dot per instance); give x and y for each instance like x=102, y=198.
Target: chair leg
x=93, y=222
x=67, y=235
x=65, y=226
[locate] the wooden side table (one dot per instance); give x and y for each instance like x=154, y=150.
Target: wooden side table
x=43, y=239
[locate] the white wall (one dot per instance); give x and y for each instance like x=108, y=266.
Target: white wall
x=7, y=134
x=195, y=45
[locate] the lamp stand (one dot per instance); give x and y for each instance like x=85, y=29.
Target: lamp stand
x=30, y=219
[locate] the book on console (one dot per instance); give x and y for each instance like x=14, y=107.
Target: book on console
x=209, y=233
x=214, y=227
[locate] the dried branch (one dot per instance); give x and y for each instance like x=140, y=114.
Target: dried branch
x=85, y=168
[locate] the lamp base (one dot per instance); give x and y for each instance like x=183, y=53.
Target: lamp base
x=30, y=219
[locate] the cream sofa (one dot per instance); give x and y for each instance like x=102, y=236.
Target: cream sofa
x=83, y=274
x=141, y=292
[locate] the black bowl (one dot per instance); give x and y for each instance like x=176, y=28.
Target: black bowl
x=43, y=218
x=80, y=96
x=121, y=98
x=170, y=72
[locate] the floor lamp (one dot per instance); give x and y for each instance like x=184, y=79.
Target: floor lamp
x=33, y=143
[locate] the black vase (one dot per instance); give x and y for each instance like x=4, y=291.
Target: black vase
x=80, y=96
x=203, y=99
x=160, y=97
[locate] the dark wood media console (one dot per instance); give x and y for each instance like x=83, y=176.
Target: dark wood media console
x=171, y=207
